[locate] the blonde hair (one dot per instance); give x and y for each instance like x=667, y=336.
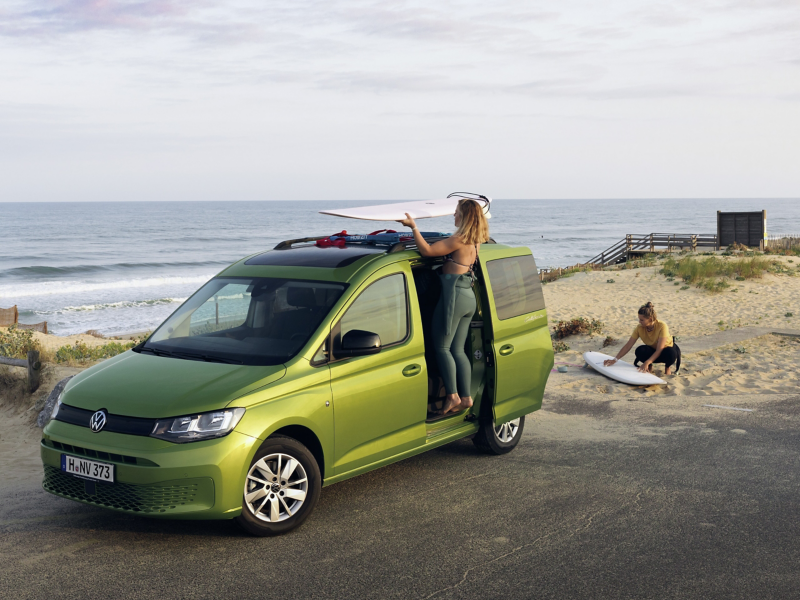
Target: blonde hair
x=474, y=228
x=648, y=310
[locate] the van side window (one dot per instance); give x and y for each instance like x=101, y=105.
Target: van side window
x=515, y=286
x=382, y=308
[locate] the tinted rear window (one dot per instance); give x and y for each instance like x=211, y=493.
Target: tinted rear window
x=515, y=286
x=312, y=256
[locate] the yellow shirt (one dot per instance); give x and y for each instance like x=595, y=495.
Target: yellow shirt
x=651, y=337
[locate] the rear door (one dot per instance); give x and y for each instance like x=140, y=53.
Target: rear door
x=522, y=349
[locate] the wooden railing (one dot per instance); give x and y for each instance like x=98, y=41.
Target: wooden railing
x=637, y=244
x=33, y=366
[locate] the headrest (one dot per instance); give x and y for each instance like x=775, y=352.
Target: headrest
x=301, y=297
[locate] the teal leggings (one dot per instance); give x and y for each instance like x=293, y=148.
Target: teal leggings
x=454, y=365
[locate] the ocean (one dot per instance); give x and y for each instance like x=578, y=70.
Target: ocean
x=121, y=267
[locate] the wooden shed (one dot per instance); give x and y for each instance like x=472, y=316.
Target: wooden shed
x=748, y=228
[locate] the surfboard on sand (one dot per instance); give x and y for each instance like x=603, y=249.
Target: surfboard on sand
x=621, y=371
x=424, y=209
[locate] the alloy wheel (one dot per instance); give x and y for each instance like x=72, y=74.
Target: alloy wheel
x=275, y=488
x=507, y=431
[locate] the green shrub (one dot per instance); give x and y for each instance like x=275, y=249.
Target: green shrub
x=15, y=343
x=80, y=352
x=560, y=347
x=610, y=281
x=684, y=287
x=577, y=326
x=714, y=287
x=789, y=314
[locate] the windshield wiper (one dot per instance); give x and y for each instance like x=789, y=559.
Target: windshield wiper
x=190, y=356
x=154, y=351
x=206, y=358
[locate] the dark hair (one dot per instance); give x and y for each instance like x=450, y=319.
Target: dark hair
x=648, y=310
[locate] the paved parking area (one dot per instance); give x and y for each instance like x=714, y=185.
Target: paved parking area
x=602, y=499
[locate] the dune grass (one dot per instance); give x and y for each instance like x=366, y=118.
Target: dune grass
x=710, y=273
x=15, y=343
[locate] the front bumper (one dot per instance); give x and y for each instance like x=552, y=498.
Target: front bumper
x=198, y=480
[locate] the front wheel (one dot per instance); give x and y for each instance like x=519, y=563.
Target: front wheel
x=499, y=439
x=281, y=488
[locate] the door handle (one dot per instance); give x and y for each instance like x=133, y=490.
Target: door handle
x=506, y=350
x=412, y=370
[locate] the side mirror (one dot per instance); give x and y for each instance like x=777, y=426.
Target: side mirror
x=357, y=342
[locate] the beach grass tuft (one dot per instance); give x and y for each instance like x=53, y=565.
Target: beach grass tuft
x=710, y=273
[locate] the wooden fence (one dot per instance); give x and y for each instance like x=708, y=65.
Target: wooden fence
x=782, y=242
x=551, y=274
x=10, y=316
x=638, y=244
x=33, y=366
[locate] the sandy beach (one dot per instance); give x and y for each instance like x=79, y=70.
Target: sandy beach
x=689, y=313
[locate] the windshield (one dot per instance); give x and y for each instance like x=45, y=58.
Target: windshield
x=245, y=320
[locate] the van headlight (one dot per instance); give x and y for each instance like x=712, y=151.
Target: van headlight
x=56, y=407
x=193, y=428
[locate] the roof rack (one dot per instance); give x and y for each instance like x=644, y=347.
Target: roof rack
x=412, y=245
x=398, y=247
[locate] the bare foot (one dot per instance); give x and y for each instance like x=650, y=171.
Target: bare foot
x=668, y=371
x=451, y=402
x=466, y=402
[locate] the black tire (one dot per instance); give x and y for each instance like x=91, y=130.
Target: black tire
x=275, y=491
x=499, y=439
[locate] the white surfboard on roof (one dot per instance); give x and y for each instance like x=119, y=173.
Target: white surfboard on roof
x=621, y=371
x=422, y=209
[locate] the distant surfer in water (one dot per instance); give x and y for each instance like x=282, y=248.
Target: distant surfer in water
x=659, y=347
x=453, y=313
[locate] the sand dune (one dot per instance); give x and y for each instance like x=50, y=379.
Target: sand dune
x=691, y=312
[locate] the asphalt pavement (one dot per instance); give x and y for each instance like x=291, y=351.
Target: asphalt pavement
x=603, y=498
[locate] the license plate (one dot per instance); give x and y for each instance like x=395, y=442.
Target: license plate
x=87, y=469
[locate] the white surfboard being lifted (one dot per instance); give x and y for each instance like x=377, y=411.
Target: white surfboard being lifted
x=620, y=370
x=424, y=209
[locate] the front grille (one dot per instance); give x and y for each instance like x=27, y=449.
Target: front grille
x=98, y=454
x=114, y=423
x=145, y=499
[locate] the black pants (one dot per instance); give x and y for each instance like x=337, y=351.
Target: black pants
x=668, y=355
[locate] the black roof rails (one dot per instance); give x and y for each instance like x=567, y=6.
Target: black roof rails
x=289, y=243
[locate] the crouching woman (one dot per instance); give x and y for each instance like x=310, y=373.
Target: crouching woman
x=658, y=347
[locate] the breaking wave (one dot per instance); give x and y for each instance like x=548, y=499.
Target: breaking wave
x=61, y=288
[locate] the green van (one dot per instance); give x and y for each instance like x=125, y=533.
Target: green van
x=291, y=370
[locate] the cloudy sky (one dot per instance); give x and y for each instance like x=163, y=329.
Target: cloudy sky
x=296, y=99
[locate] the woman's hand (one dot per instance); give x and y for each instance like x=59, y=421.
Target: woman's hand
x=409, y=222
x=610, y=362
x=645, y=367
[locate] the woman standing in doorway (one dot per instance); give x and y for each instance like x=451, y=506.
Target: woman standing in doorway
x=453, y=313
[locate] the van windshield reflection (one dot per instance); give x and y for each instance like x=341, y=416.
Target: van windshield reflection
x=245, y=320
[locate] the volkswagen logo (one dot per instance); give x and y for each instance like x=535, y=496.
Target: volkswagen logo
x=98, y=420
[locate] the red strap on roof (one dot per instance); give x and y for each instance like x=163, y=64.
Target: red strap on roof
x=328, y=242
